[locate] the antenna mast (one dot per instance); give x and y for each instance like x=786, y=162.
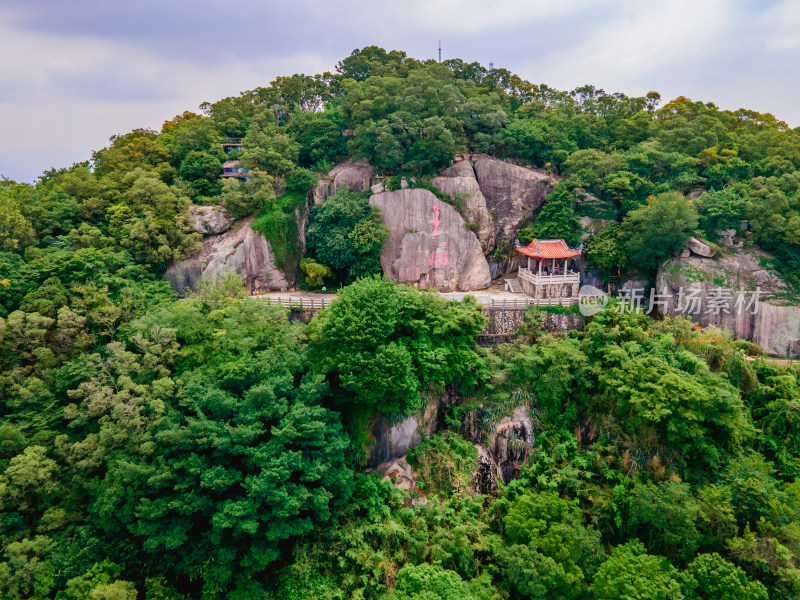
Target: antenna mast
x=440, y=50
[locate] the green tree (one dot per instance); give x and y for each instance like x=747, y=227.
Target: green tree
x=556, y=219
x=711, y=577
x=347, y=234
x=243, y=198
x=315, y=273
x=203, y=171
x=658, y=230
x=16, y=232
x=320, y=135
x=664, y=517
x=228, y=455
x=379, y=342
x=607, y=250
x=630, y=574
x=432, y=582
x=554, y=527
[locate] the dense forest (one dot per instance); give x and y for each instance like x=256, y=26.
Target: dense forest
x=212, y=447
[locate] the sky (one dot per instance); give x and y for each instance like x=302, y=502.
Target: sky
x=75, y=73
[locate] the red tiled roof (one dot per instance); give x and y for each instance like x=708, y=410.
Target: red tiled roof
x=542, y=249
x=230, y=164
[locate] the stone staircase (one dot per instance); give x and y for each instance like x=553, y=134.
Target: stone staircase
x=514, y=286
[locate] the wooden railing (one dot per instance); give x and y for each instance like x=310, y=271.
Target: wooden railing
x=544, y=279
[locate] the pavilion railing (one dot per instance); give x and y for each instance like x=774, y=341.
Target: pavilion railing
x=545, y=279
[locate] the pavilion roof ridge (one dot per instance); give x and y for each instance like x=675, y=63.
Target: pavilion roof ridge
x=550, y=248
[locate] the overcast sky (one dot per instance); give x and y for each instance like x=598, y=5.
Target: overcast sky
x=76, y=72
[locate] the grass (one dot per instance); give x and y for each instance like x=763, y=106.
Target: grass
x=278, y=224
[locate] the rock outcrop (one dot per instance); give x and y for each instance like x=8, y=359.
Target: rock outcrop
x=500, y=453
x=512, y=193
x=486, y=474
x=511, y=441
x=508, y=444
x=400, y=473
x=208, y=220
x=392, y=441
x=726, y=238
x=428, y=244
x=356, y=175
x=239, y=250
x=699, y=247
x=773, y=324
x=460, y=184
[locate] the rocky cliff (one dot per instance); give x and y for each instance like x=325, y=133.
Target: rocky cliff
x=774, y=323
x=239, y=250
x=500, y=452
x=428, y=244
x=512, y=193
x=493, y=198
x=460, y=184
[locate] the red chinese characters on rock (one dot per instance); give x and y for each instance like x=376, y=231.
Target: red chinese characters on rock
x=437, y=259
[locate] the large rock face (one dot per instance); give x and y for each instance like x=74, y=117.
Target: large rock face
x=775, y=326
x=240, y=250
x=357, y=176
x=501, y=451
x=428, y=244
x=460, y=184
x=392, y=441
x=208, y=220
x=512, y=193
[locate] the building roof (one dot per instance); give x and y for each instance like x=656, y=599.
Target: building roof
x=230, y=164
x=542, y=249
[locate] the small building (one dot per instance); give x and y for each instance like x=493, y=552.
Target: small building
x=232, y=144
x=231, y=168
x=547, y=277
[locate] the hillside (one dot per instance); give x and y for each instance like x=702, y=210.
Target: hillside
x=163, y=435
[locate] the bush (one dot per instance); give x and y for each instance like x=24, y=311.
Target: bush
x=444, y=463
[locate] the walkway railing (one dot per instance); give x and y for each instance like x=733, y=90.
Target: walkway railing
x=487, y=304
x=545, y=279
x=524, y=303
x=299, y=302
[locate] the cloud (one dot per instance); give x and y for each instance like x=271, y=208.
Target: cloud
x=80, y=90
x=88, y=70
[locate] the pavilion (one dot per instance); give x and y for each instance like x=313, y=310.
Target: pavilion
x=547, y=277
